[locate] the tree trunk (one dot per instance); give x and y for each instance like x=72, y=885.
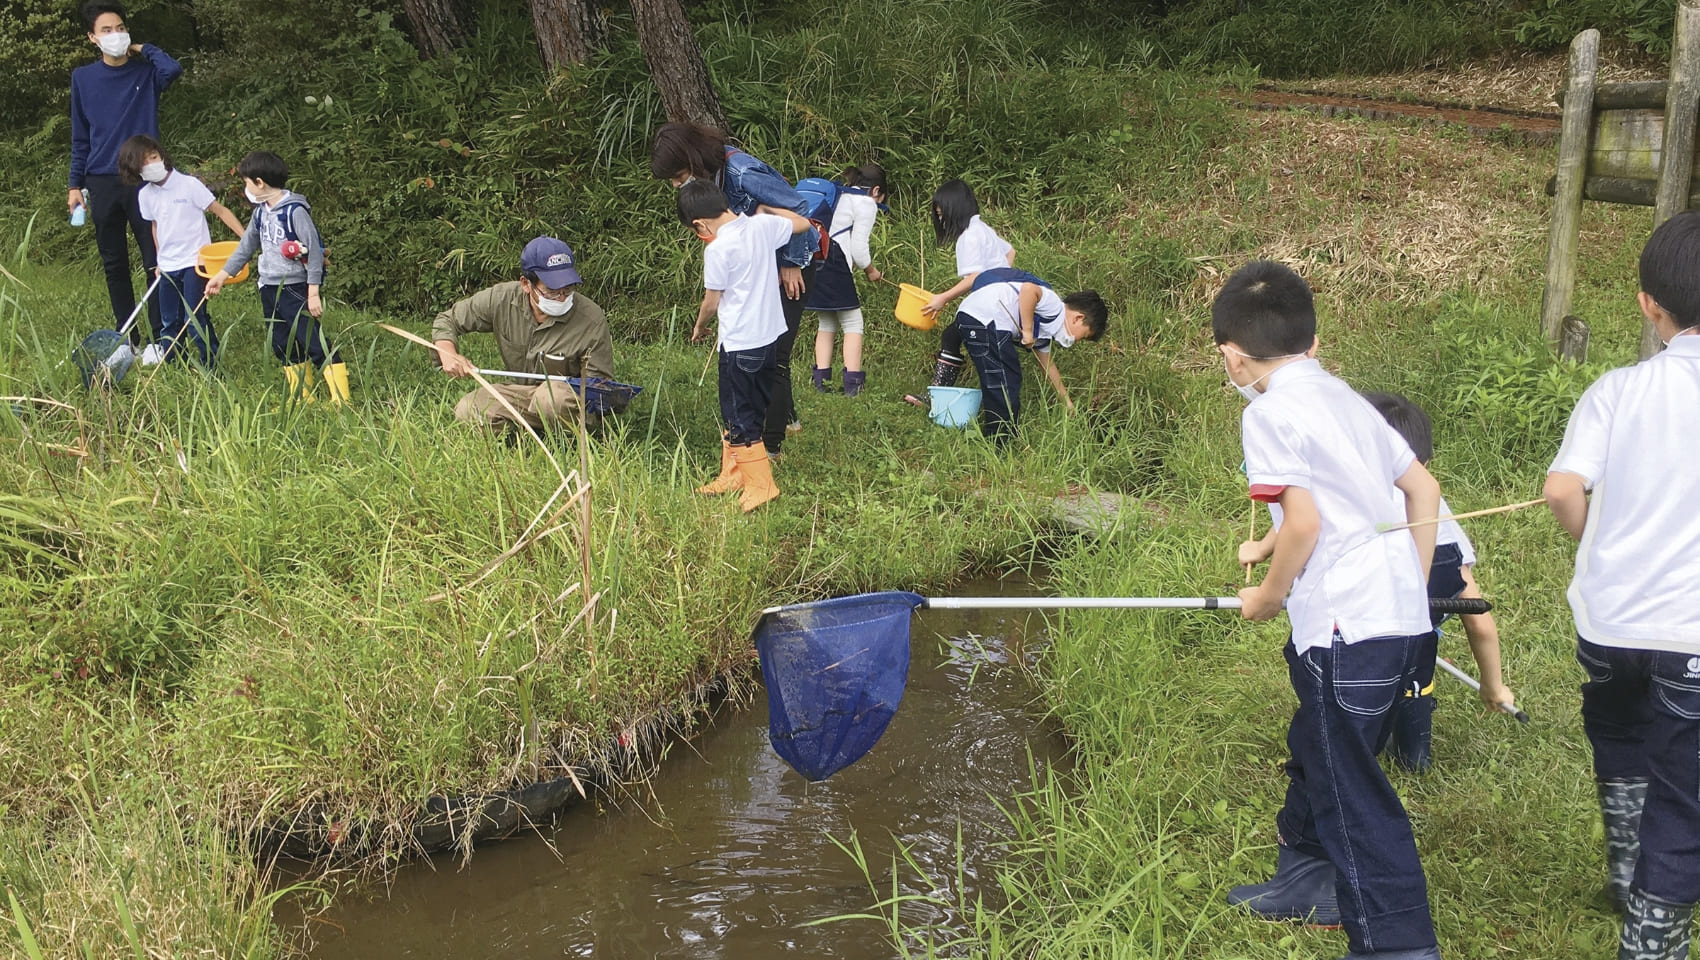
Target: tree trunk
x=676, y=64
x=439, y=26
x=568, y=31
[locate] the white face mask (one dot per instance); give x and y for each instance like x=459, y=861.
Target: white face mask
x=1249, y=391
x=1063, y=338
x=153, y=172
x=252, y=198
x=114, y=45
x=554, y=308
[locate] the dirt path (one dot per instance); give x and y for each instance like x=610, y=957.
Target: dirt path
x=1527, y=126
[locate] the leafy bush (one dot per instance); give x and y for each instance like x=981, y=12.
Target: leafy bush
x=1553, y=23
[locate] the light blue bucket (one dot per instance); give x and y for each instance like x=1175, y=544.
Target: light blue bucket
x=954, y=406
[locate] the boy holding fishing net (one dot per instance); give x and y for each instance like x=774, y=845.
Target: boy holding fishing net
x=1331, y=468
x=742, y=287
x=1623, y=484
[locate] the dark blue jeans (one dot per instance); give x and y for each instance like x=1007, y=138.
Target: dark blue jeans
x=179, y=293
x=998, y=363
x=296, y=334
x=746, y=392
x=1340, y=805
x=1641, y=711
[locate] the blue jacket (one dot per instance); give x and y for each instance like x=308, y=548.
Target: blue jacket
x=748, y=182
x=109, y=105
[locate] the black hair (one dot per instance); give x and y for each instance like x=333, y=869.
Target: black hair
x=1670, y=268
x=134, y=152
x=1407, y=418
x=266, y=167
x=867, y=176
x=94, y=8
x=687, y=146
x=1092, y=308
x=700, y=200
x=1266, y=310
x=953, y=206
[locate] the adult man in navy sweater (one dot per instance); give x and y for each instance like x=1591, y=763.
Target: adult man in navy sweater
x=112, y=100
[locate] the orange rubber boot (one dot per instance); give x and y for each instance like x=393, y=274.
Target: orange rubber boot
x=730, y=479
x=757, y=471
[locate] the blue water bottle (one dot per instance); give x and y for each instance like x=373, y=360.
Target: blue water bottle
x=79, y=215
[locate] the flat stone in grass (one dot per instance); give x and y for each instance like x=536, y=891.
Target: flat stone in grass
x=1090, y=513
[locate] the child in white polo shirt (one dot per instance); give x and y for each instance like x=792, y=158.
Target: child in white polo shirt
x=1331, y=469
x=743, y=288
x=1011, y=308
x=1449, y=575
x=1624, y=484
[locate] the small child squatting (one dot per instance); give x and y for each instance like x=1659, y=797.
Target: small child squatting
x=1624, y=485
x=741, y=286
x=1358, y=607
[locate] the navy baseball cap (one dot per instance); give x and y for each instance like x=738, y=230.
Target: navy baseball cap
x=551, y=261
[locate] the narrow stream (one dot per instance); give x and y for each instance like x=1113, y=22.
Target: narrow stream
x=732, y=851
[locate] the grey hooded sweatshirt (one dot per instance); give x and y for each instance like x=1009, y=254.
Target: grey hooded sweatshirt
x=265, y=233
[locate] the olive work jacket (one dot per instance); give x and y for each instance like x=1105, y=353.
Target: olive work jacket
x=580, y=336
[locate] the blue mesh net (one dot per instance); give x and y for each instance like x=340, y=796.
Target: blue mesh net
x=835, y=672
x=103, y=356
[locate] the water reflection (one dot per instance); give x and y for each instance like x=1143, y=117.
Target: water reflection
x=732, y=851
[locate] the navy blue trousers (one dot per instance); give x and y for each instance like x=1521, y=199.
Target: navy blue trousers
x=1340, y=805
x=747, y=380
x=179, y=293
x=1641, y=712
x=998, y=363
x=296, y=334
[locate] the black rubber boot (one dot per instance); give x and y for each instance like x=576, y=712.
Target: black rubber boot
x=1413, y=731
x=1426, y=953
x=853, y=380
x=1621, y=803
x=823, y=379
x=1654, y=929
x=946, y=370
x=1301, y=889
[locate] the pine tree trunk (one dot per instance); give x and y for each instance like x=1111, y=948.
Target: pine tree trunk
x=439, y=26
x=676, y=64
x=568, y=31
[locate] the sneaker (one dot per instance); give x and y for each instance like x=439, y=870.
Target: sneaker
x=152, y=355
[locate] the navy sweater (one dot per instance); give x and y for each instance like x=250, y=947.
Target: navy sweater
x=109, y=105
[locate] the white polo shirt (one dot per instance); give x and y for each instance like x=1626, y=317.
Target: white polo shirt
x=739, y=263
x=1632, y=439
x=980, y=248
x=178, y=209
x=999, y=305
x=1449, y=531
x=1310, y=430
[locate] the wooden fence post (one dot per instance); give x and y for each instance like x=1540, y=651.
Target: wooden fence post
x=1676, y=157
x=1573, y=343
x=1574, y=141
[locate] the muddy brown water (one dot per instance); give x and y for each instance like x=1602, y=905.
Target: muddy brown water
x=730, y=852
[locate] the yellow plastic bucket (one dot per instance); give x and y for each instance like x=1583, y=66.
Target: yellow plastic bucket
x=910, y=300
x=212, y=257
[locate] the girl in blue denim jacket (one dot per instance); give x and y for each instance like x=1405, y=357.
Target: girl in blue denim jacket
x=683, y=152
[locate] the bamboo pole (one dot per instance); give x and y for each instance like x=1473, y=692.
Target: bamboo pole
x=1574, y=141
x=1682, y=104
x=1390, y=527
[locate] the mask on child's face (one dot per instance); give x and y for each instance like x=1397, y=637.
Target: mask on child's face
x=153, y=172
x=252, y=197
x=1249, y=391
x=1063, y=338
x=114, y=45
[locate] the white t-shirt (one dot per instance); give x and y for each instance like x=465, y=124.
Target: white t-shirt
x=1631, y=439
x=1449, y=531
x=999, y=305
x=852, y=225
x=1311, y=430
x=739, y=263
x=980, y=248
x=178, y=208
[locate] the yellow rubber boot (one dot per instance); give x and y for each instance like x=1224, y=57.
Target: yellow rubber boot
x=757, y=471
x=336, y=382
x=730, y=479
x=300, y=377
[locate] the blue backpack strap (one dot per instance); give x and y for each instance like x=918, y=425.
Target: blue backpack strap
x=1006, y=275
